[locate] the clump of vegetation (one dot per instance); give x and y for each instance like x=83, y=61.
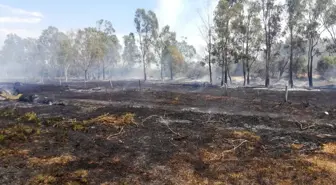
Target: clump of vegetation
x=6, y=152
x=80, y=177
x=53, y=121
x=18, y=132
x=42, y=179
x=327, y=66
x=60, y=160
x=8, y=113
x=329, y=148
x=246, y=135
x=113, y=120
x=29, y=117
x=2, y=138
x=78, y=126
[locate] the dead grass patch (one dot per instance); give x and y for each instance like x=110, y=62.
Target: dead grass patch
x=42, y=179
x=295, y=146
x=18, y=132
x=323, y=162
x=80, y=176
x=113, y=120
x=6, y=152
x=244, y=134
x=329, y=148
x=61, y=160
x=209, y=97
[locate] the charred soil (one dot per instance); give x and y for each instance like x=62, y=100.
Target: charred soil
x=165, y=135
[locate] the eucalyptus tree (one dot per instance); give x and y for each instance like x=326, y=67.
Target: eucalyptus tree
x=271, y=19
x=110, y=43
x=131, y=52
x=226, y=11
x=147, y=26
x=295, y=11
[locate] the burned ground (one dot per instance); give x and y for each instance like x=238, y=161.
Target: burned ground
x=168, y=134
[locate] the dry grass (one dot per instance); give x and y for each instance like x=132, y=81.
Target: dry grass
x=295, y=146
x=323, y=162
x=326, y=159
x=29, y=117
x=61, y=160
x=6, y=152
x=329, y=148
x=246, y=135
x=80, y=176
x=18, y=132
x=113, y=120
x=42, y=179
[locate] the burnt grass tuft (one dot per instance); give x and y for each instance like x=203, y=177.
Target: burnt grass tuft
x=94, y=143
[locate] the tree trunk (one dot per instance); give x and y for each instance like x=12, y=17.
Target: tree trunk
x=98, y=73
x=228, y=71
x=210, y=72
x=144, y=67
x=223, y=66
x=171, y=69
x=248, y=75
x=103, y=70
x=267, y=53
x=161, y=69
x=226, y=66
x=246, y=63
x=85, y=73
x=310, y=62
x=66, y=73
x=311, y=71
x=244, y=72
x=291, y=60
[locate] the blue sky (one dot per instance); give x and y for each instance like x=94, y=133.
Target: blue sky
x=28, y=17
x=67, y=14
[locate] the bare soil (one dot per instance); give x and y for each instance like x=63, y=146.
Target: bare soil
x=168, y=134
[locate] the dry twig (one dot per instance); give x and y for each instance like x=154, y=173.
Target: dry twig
x=302, y=127
x=161, y=120
x=235, y=147
x=113, y=135
x=149, y=117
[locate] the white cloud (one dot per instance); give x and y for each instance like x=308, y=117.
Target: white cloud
x=184, y=17
x=15, y=15
x=18, y=21
x=31, y=20
x=18, y=11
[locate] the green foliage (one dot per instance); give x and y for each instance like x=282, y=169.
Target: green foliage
x=18, y=132
x=42, y=179
x=78, y=126
x=8, y=113
x=29, y=117
x=147, y=26
x=327, y=66
x=131, y=53
x=300, y=66
x=52, y=121
x=2, y=138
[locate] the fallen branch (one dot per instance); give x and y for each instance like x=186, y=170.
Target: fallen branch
x=304, y=128
x=163, y=121
x=113, y=135
x=150, y=117
x=235, y=147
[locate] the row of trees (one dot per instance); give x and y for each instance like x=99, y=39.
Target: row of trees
x=259, y=36
x=284, y=36
x=94, y=50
